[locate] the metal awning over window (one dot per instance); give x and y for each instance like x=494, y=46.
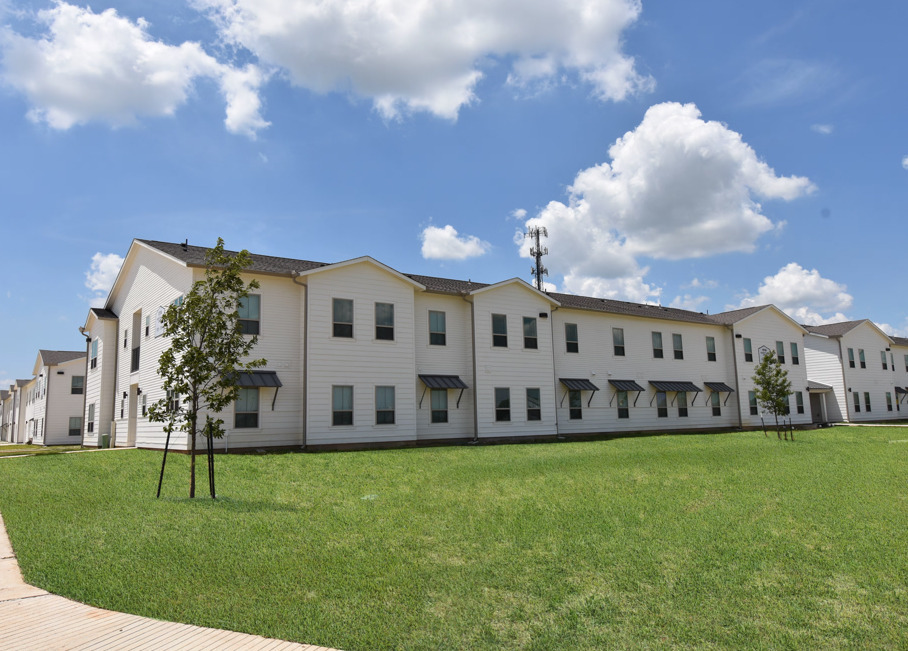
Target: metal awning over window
x=578, y=384
x=899, y=390
x=819, y=386
x=675, y=387
x=442, y=382
x=626, y=385
x=720, y=387
x=260, y=380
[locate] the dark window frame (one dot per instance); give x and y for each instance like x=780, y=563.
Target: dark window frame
x=530, y=341
x=534, y=404
x=678, y=345
x=575, y=404
x=438, y=337
x=711, y=355
x=502, y=404
x=748, y=350
x=77, y=390
x=341, y=417
x=248, y=324
x=572, y=345
x=247, y=419
x=439, y=413
x=658, y=352
x=385, y=415
x=342, y=329
x=384, y=326
x=618, y=348
x=499, y=330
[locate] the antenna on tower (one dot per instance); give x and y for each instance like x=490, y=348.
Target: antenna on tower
x=538, y=271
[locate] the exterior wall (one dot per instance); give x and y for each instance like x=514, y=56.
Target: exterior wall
x=873, y=379
x=7, y=431
x=58, y=403
x=362, y=361
x=900, y=357
x=454, y=358
x=151, y=281
x=30, y=423
x=824, y=365
x=597, y=362
x=100, y=381
x=514, y=367
x=765, y=328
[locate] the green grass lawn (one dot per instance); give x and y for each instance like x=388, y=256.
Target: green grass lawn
x=715, y=541
x=15, y=450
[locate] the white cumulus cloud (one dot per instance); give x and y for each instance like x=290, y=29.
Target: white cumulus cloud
x=103, y=67
x=804, y=295
x=446, y=244
x=824, y=129
x=689, y=302
x=427, y=56
x=677, y=187
x=101, y=275
x=905, y=162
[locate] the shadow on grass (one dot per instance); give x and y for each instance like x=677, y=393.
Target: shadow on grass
x=227, y=503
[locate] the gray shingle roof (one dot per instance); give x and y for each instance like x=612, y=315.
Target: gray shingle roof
x=834, y=329
x=733, y=316
x=446, y=285
x=195, y=256
x=103, y=313
x=899, y=341
x=22, y=383
x=630, y=309
x=54, y=357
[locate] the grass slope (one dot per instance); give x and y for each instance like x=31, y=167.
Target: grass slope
x=711, y=541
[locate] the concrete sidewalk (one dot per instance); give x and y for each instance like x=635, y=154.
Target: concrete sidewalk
x=31, y=618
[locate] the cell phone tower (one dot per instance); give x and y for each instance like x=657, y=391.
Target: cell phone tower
x=538, y=271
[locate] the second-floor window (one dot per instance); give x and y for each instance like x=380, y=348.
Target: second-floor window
x=572, y=339
x=883, y=358
x=657, y=345
x=78, y=385
x=618, y=341
x=678, y=344
x=249, y=313
x=748, y=351
x=437, y=329
x=500, y=330
x=94, y=354
x=861, y=358
x=795, y=358
x=711, y=349
x=851, y=357
x=780, y=352
x=384, y=321
x=342, y=315
x=530, y=340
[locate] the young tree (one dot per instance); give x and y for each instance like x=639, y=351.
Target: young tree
x=773, y=388
x=205, y=358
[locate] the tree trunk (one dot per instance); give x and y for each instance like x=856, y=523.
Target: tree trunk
x=192, y=421
x=778, y=431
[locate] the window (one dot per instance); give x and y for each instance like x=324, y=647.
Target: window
x=437, y=331
x=249, y=314
x=94, y=354
x=144, y=404
x=575, y=403
x=787, y=409
x=384, y=321
x=799, y=402
x=867, y=402
x=246, y=410
x=714, y=403
x=623, y=411
x=529, y=332
x=147, y=325
x=384, y=405
x=857, y=402
x=122, y=407
x=342, y=311
x=888, y=401
x=77, y=387
x=883, y=359
x=851, y=357
x=534, y=405
x=795, y=359
x=752, y=399
x=618, y=341
x=500, y=330
x=173, y=402
x=906, y=363
x=341, y=405
x=91, y=417
x=681, y=399
x=657, y=345
x=678, y=346
x=780, y=352
x=125, y=337
x=748, y=351
x=75, y=425
x=134, y=359
x=573, y=341
x=502, y=404
x=861, y=358
x=661, y=404
x=439, y=405
x=711, y=349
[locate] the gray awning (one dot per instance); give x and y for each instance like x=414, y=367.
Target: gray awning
x=686, y=387
x=443, y=381
x=899, y=390
x=248, y=379
x=626, y=385
x=817, y=386
x=578, y=384
x=719, y=387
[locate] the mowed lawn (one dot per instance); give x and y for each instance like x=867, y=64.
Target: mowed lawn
x=709, y=541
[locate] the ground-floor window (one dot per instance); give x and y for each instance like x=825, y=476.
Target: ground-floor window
x=888, y=401
x=682, y=404
x=246, y=409
x=752, y=399
x=661, y=404
x=384, y=405
x=799, y=400
x=575, y=403
x=91, y=417
x=623, y=409
x=342, y=405
x=714, y=403
x=502, y=404
x=857, y=402
x=534, y=404
x=867, y=401
x=75, y=426
x=439, y=405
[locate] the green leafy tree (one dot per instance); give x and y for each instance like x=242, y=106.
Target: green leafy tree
x=206, y=355
x=773, y=388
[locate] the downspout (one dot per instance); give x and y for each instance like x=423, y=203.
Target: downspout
x=475, y=391
x=46, y=403
x=734, y=358
x=554, y=372
x=85, y=382
x=848, y=413
x=294, y=275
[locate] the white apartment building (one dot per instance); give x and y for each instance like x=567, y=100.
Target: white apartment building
x=361, y=354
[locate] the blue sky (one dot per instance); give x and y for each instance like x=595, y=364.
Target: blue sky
x=706, y=155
